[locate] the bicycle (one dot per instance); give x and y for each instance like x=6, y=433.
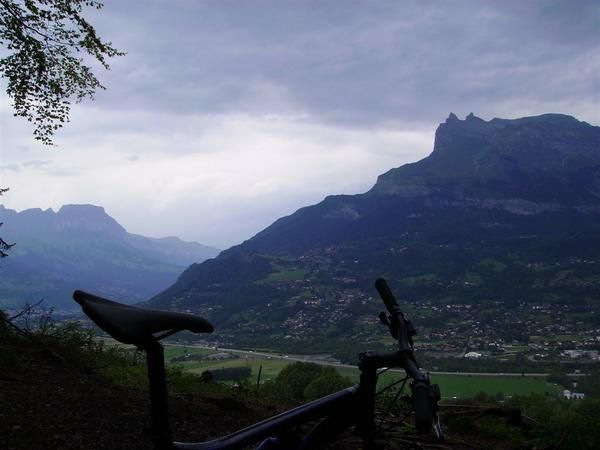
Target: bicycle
x=337, y=412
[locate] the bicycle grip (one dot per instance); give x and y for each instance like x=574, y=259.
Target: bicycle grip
x=386, y=295
x=423, y=408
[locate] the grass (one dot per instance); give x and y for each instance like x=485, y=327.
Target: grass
x=473, y=278
x=516, y=348
x=493, y=264
x=465, y=386
x=177, y=351
x=428, y=278
x=270, y=367
x=285, y=275
x=567, y=338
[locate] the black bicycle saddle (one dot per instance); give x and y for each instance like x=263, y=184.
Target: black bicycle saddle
x=133, y=325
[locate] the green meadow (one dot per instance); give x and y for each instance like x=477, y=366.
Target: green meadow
x=464, y=386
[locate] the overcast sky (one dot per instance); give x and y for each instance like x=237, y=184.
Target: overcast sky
x=225, y=115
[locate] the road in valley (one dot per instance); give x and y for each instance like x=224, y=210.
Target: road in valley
x=326, y=362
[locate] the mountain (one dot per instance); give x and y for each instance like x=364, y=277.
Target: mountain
x=502, y=212
x=82, y=247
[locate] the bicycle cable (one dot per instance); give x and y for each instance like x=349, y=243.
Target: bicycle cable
x=394, y=400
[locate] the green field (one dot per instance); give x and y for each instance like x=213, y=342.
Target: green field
x=464, y=386
x=452, y=386
x=270, y=367
x=284, y=275
x=176, y=351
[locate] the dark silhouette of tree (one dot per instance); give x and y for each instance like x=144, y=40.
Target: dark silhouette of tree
x=4, y=246
x=327, y=382
x=46, y=41
x=307, y=381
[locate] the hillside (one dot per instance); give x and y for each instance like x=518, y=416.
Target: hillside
x=62, y=389
x=82, y=247
x=502, y=217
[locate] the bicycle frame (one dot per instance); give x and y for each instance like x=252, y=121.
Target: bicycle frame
x=350, y=406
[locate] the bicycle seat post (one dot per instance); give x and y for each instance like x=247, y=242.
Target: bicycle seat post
x=161, y=432
x=368, y=382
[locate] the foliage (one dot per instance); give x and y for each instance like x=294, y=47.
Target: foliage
x=45, y=68
x=76, y=345
x=327, y=382
x=293, y=379
x=4, y=328
x=590, y=384
x=230, y=374
x=558, y=423
x=4, y=246
x=7, y=349
x=560, y=377
x=306, y=381
x=532, y=421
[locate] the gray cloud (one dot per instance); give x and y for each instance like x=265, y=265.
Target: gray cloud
x=37, y=164
x=356, y=62
x=11, y=167
x=60, y=172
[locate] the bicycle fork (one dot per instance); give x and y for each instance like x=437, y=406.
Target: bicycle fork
x=424, y=395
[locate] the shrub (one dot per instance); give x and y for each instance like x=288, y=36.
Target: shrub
x=329, y=381
x=231, y=374
x=562, y=423
x=304, y=381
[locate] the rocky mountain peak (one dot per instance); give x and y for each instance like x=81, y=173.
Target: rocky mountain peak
x=455, y=134
x=70, y=219
x=88, y=218
x=555, y=153
x=452, y=118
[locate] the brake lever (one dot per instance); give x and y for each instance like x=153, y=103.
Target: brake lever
x=391, y=323
x=437, y=428
x=436, y=396
x=384, y=319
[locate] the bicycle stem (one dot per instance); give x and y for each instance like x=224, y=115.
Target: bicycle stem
x=400, y=359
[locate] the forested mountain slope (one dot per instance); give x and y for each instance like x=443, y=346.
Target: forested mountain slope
x=502, y=213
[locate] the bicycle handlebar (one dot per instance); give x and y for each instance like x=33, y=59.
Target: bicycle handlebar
x=398, y=323
x=386, y=295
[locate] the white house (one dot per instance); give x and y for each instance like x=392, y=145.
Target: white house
x=573, y=395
